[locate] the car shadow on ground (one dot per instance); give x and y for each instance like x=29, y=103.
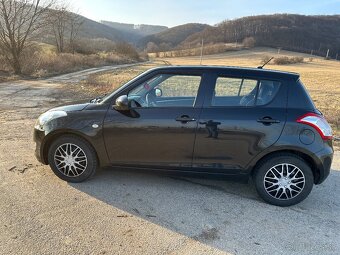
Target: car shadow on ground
x=223, y=214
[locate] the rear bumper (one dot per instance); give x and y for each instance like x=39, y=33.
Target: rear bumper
x=38, y=138
x=323, y=164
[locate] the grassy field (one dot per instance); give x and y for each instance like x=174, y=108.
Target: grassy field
x=321, y=77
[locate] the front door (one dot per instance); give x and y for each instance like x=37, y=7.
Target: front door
x=159, y=130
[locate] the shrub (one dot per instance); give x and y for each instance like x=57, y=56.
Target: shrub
x=249, y=42
x=91, y=46
x=287, y=60
x=265, y=59
x=127, y=50
x=282, y=60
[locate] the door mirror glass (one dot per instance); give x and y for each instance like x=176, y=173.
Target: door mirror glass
x=158, y=92
x=122, y=103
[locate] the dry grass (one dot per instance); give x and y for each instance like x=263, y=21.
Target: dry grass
x=47, y=64
x=41, y=60
x=99, y=84
x=207, y=50
x=321, y=77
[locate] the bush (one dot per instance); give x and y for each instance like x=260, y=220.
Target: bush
x=265, y=59
x=43, y=64
x=282, y=60
x=249, y=42
x=42, y=60
x=92, y=46
x=208, y=49
x=287, y=60
x=127, y=50
x=3, y=64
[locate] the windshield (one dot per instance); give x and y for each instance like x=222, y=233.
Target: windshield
x=107, y=98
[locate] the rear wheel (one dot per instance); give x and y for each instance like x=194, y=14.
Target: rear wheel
x=72, y=159
x=284, y=180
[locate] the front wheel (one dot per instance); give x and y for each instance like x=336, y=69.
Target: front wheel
x=284, y=180
x=72, y=159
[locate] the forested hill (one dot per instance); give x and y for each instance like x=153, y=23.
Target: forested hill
x=288, y=31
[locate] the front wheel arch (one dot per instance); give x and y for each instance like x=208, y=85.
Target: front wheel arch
x=57, y=135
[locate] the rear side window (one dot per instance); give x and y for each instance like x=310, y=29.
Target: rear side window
x=243, y=92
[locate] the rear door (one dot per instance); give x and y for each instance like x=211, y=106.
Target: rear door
x=241, y=117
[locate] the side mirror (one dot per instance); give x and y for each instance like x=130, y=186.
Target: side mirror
x=122, y=103
x=158, y=92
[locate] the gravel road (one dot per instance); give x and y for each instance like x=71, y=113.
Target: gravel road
x=133, y=212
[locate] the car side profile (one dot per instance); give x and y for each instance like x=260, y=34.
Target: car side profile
x=223, y=121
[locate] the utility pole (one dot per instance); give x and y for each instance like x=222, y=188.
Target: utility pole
x=336, y=57
x=311, y=52
x=201, y=52
x=327, y=54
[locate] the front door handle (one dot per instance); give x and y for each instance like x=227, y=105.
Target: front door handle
x=185, y=119
x=268, y=121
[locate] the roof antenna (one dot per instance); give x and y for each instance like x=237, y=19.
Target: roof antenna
x=261, y=67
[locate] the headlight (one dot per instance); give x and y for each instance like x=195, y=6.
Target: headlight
x=47, y=116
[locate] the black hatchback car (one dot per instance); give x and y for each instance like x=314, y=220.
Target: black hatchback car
x=225, y=121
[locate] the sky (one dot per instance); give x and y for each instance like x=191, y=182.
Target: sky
x=176, y=12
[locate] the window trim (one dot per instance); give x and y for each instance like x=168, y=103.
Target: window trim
x=216, y=76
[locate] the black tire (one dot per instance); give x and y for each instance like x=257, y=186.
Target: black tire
x=288, y=197
x=85, y=171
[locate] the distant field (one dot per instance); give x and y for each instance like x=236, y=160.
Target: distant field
x=321, y=77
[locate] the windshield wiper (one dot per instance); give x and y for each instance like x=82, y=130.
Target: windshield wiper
x=97, y=99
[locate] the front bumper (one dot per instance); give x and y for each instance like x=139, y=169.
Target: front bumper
x=38, y=138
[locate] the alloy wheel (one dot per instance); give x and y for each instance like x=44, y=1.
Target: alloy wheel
x=284, y=181
x=70, y=159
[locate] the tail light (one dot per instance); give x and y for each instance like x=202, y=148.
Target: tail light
x=319, y=123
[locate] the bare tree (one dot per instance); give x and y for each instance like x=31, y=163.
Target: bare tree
x=224, y=27
x=152, y=47
x=58, y=19
x=76, y=21
x=20, y=21
x=65, y=26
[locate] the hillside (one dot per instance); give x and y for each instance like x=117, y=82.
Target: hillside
x=134, y=32
x=173, y=36
x=287, y=31
x=89, y=29
x=93, y=29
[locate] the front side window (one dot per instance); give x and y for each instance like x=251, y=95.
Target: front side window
x=166, y=90
x=243, y=92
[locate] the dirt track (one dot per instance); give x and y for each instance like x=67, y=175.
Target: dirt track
x=130, y=212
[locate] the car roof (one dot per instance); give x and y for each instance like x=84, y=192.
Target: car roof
x=233, y=70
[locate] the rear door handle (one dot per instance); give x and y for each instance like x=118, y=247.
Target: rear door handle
x=268, y=120
x=185, y=119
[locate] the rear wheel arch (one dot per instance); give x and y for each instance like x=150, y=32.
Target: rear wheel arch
x=298, y=154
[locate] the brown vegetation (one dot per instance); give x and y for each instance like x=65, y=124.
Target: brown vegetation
x=65, y=26
x=283, y=60
x=24, y=23
x=207, y=50
x=20, y=22
x=43, y=60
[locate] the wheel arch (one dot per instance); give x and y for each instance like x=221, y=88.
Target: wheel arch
x=307, y=158
x=55, y=135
